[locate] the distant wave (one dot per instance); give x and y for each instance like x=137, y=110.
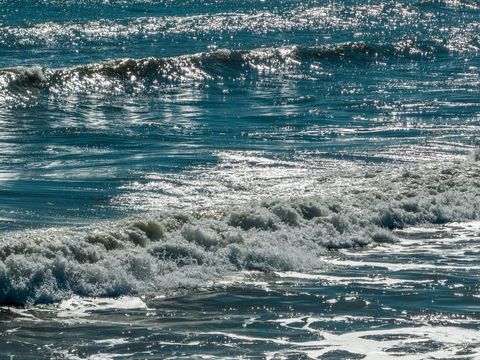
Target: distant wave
x=143, y=75
x=176, y=250
x=330, y=17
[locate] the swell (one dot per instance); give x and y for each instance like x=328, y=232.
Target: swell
x=144, y=75
x=334, y=17
x=174, y=250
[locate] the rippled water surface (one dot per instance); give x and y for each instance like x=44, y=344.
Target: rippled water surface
x=269, y=179
x=387, y=301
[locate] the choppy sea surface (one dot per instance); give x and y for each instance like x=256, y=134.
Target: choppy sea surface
x=239, y=179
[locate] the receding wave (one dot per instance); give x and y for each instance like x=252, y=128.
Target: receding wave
x=175, y=250
x=20, y=84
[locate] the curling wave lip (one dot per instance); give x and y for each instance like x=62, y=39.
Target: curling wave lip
x=145, y=75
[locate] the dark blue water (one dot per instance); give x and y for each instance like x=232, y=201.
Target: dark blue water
x=212, y=161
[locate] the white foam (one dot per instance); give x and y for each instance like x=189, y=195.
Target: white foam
x=78, y=307
x=112, y=342
x=187, y=250
x=401, y=266
x=332, y=279
x=451, y=340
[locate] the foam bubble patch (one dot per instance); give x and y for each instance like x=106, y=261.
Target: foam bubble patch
x=174, y=251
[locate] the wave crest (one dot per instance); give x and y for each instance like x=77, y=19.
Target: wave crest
x=146, y=75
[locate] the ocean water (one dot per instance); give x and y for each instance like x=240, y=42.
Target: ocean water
x=239, y=179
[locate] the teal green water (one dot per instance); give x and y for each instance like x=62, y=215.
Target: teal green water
x=267, y=179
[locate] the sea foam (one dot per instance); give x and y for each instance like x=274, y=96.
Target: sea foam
x=179, y=250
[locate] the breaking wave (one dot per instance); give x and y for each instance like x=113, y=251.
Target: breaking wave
x=21, y=84
x=174, y=250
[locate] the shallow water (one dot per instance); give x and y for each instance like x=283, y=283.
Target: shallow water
x=251, y=178
x=416, y=299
